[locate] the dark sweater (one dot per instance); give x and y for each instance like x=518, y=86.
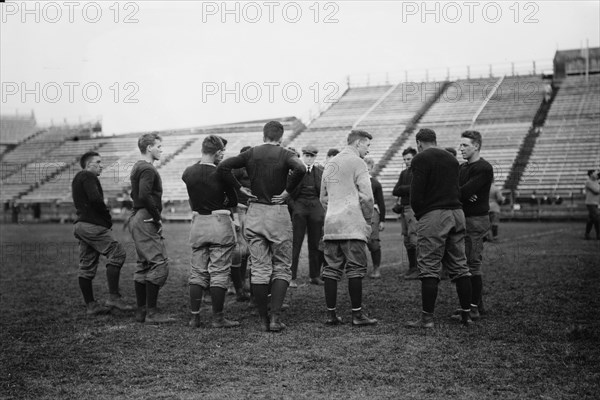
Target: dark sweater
x=206, y=190
x=378, y=197
x=402, y=188
x=476, y=179
x=434, y=183
x=88, y=198
x=146, y=189
x=267, y=166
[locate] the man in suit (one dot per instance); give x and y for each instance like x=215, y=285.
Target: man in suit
x=308, y=215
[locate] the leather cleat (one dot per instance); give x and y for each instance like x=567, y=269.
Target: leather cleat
x=426, y=321
x=361, y=319
x=411, y=276
x=219, y=321
x=275, y=325
x=317, y=281
x=119, y=304
x=473, y=314
x=140, y=314
x=293, y=284
x=242, y=297
x=376, y=274
x=153, y=316
x=332, y=318
x=94, y=308
x=195, y=321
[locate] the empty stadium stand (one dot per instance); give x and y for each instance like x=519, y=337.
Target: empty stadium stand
x=569, y=142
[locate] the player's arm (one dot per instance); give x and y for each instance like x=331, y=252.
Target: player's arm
x=324, y=196
x=589, y=187
x=226, y=167
x=476, y=182
x=402, y=189
x=418, y=185
x=232, y=199
x=94, y=197
x=365, y=192
x=298, y=170
x=145, y=189
x=378, y=195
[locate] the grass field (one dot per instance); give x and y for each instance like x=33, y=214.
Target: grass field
x=539, y=340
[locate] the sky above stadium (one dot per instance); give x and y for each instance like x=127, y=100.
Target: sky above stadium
x=142, y=66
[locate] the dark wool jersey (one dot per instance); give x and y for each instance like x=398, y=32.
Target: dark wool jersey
x=207, y=190
x=88, y=199
x=267, y=166
x=378, y=197
x=146, y=188
x=402, y=188
x=476, y=179
x=434, y=183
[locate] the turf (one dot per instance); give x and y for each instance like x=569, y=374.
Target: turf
x=539, y=340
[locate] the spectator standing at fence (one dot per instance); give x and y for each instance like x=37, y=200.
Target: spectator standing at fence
x=93, y=230
x=268, y=227
x=145, y=225
x=407, y=215
x=592, y=199
x=435, y=199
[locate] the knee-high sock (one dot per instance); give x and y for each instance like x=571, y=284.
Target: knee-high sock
x=196, y=293
x=261, y=296
x=217, y=295
x=412, y=258
x=463, y=289
x=476, y=289
x=244, y=267
x=87, y=290
x=429, y=291
x=355, y=290
x=236, y=278
x=140, y=294
x=330, y=292
x=376, y=256
x=278, y=291
x=151, y=294
x=112, y=277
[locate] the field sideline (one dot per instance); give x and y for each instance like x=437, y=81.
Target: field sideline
x=540, y=339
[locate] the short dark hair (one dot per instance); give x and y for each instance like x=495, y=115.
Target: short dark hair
x=332, y=152
x=147, y=139
x=475, y=137
x=273, y=130
x=86, y=157
x=293, y=150
x=211, y=144
x=223, y=140
x=356, y=134
x=451, y=150
x=245, y=148
x=590, y=172
x=409, y=150
x=426, y=135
